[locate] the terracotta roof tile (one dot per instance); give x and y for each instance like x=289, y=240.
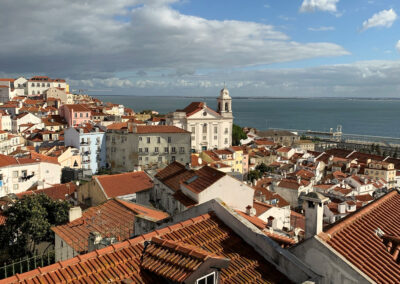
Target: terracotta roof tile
x=110, y=219
x=122, y=261
x=355, y=239
x=144, y=211
x=125, y=183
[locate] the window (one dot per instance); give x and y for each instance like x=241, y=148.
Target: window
x=140, y=158
x=140, y=150
x=156, y=149
x=226, y=131
x=81, y=114
x=48, y=84
x=42, y=84
x=140, y=138
x=146, y=150
x=148, y=140
x=169, y=139
x=173, y=150
x=24, y=173
x=37, y=84
x=146, y=159
x=215, y=129
x=215, y=137
x=166, y=150
x=181, y=150
x=158, y=140
x=208, y=279
x=15, y=174
x=205, y=128
x=193, y=130
x=76, y=115
x=87, y=114
x=226, y=140
x=160, y=159
x=173, y=159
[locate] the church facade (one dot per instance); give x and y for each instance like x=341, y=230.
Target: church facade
x=209, y=129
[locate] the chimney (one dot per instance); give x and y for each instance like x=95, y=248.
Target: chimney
x=251, y=211
x=342, y=208
x=270, y=221
x=313, y=205
x=299, y=179
x=75, y=213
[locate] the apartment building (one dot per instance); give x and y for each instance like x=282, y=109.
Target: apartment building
x=75, y=114
x=89, y=139
x=18, y=175
x=381, y=170
x=130, y=146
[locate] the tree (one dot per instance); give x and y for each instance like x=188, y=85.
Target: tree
x=237, y=135
x=378, y=149
x=29, y=221
x=253, y=175
x=262, y=168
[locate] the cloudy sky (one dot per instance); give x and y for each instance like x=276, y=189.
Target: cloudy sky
x=296, y=48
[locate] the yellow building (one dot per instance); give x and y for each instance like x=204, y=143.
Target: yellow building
x=231, y=158
x=381, y=170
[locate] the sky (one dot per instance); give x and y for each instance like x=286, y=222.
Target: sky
x=272, y=48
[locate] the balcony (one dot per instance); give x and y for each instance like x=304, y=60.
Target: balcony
x=84, y=143
x=25, y=178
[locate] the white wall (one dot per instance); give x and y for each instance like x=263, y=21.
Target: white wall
x=233, y=192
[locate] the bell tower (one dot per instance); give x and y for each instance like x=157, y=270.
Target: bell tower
x=225, y=103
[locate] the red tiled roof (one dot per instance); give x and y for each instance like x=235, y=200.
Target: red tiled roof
x=7, y=80
x=292, y=184
x=122, y=261
x=284, y=149
x=124, y=184
x=158, y=254
x=355, y=239
x=110, y=219
x=144, y=211
x=264, y=142
x=44, y=158
x=203, y=178
x=195, y=107
x=364, y=197
x=8, y=161
x=77, y=107
x=183, y=199
x=58, y=191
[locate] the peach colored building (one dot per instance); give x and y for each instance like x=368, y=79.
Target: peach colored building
x=75, y=114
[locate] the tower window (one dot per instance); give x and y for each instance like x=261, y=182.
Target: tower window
x=226, y=107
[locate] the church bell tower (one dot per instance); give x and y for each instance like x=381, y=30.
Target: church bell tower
x=225, y=103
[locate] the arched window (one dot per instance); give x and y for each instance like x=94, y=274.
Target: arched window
x=205, y=128
x=226, y=107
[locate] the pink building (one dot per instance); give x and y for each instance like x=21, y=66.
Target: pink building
x=75, y=114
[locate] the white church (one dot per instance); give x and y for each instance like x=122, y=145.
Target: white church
x=210, y=129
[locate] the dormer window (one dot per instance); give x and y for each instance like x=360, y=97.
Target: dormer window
x=208, y=279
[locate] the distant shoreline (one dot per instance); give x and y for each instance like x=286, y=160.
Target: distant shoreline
x=262, y=98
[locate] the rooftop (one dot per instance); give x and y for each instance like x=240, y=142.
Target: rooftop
x=124, y=184
x=205, y=234
x=355, y=238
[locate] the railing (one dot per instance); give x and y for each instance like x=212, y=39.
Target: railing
x=26, y=264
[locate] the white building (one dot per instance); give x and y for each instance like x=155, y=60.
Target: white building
x=24, y=119
x=19, y=175
x=177, y=188
x=210, y=129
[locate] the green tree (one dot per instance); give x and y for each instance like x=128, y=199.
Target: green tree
x=395, y=153
x=237, y=135
x=378, y=149
x=253, y=175
x=262, y=168
x=29, y=221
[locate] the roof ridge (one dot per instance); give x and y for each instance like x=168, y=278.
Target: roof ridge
x=351, y=218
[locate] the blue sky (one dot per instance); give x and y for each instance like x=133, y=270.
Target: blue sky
x=296, y=48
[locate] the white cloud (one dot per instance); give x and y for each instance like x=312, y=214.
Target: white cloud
x=361, y=79
x=321, y=29
x=384, y=18
x=322, y=5
x=398, y=46
x=102, y=38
